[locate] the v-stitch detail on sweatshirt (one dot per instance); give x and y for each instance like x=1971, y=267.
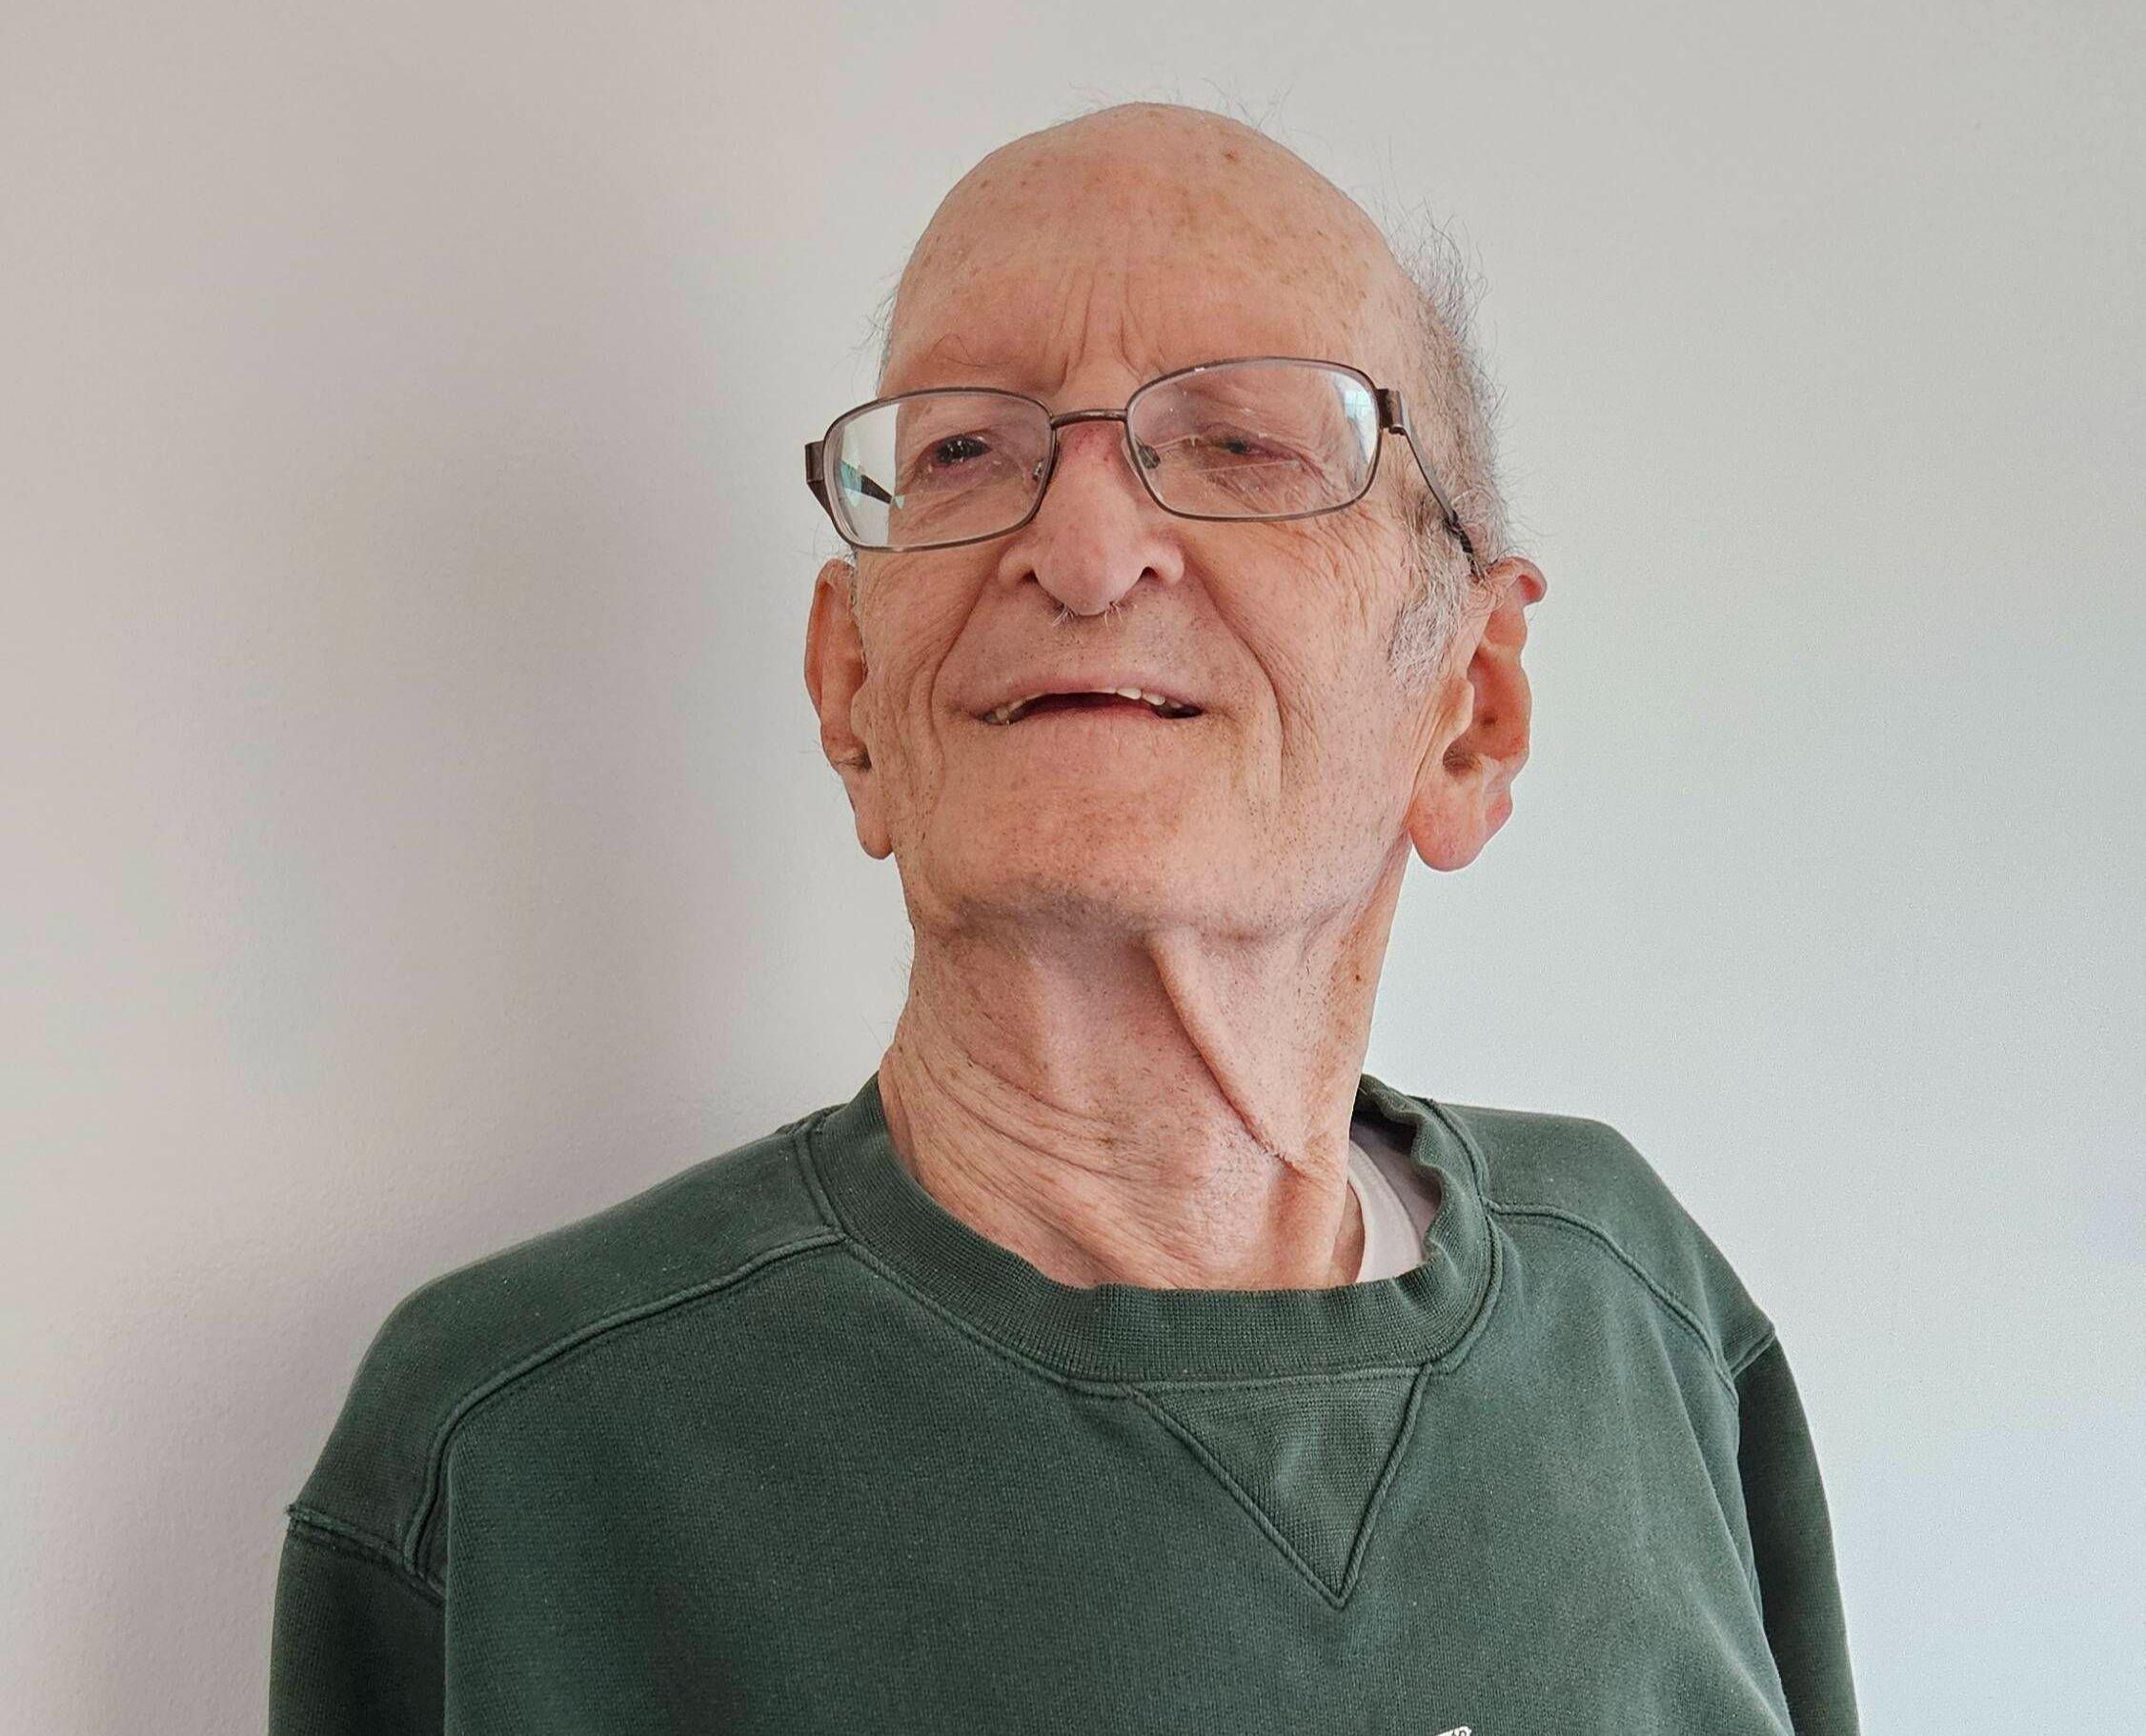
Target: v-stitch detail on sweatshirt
x=1310, y=1460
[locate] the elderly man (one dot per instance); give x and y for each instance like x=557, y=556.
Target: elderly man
x=1119, y=1356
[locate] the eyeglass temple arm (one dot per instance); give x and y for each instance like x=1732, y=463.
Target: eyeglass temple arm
x=815, y=478
x=1393, y=415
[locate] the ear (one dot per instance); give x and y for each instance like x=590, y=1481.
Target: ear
x=834, y=671
x=1464, y=788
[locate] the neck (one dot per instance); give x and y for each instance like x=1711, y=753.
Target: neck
x=1162, y=1110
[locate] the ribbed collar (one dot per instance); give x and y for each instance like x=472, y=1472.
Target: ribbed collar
x=1134, y=1332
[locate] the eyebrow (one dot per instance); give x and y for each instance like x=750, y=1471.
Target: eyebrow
x=1009, y=370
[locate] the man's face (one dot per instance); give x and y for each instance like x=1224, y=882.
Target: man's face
x=1074, y=266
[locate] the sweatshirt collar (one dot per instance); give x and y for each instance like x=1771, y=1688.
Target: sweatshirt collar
x=1129, y=1333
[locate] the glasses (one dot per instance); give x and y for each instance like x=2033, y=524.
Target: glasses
x=1257, y=437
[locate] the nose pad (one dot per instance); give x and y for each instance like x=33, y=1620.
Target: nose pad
x=1128, y=448
x=1133, y=451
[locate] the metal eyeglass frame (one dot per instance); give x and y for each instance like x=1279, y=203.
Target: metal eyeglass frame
x=1393, y=419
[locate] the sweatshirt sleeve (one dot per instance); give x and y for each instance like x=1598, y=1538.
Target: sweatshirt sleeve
x=357, y=1646
x=1792, y=1544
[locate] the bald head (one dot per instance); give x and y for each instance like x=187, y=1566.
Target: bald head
x=1212, y=212
x=1159, y=179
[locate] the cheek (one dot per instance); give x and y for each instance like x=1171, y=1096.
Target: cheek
x=1322, y=618
x=893, y=713
x=897, y=702
x=1373, y=568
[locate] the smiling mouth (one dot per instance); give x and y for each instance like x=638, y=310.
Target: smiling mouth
x=1130, y=703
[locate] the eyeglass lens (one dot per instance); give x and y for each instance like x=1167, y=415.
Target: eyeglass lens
x=1251, y=440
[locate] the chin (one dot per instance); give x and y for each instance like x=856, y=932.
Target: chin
x=1082, y=873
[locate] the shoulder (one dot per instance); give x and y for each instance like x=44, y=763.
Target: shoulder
x=463, y=1337
x=1579, y=1179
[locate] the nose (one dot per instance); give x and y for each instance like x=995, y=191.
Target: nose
x=1096, y=533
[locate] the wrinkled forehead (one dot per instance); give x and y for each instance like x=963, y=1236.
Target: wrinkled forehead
x=1040, y=266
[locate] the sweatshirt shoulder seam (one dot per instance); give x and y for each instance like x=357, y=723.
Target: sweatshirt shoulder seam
x=500, y=1381
x=1740, y=1363
x=1669, y=1303
x=325, y=1531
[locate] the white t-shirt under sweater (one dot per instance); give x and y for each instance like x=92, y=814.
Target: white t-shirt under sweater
x=1397, y=1201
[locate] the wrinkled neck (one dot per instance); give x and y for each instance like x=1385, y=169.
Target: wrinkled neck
x=1162, y=1112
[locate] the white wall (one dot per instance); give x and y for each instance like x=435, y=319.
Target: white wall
x=415, y=835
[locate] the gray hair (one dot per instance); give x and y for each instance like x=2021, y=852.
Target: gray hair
x=1454, y=409
x=1456, y=422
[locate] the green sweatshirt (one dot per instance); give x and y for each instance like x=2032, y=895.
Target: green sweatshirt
x=781, y=1444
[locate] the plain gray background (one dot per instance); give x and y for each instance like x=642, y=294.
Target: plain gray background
x=416, y=835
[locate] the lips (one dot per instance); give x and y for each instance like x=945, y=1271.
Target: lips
x=1159, y=704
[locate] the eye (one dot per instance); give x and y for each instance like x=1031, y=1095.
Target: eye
x=936, y=461
x=952, y=450
x=1217, y=442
